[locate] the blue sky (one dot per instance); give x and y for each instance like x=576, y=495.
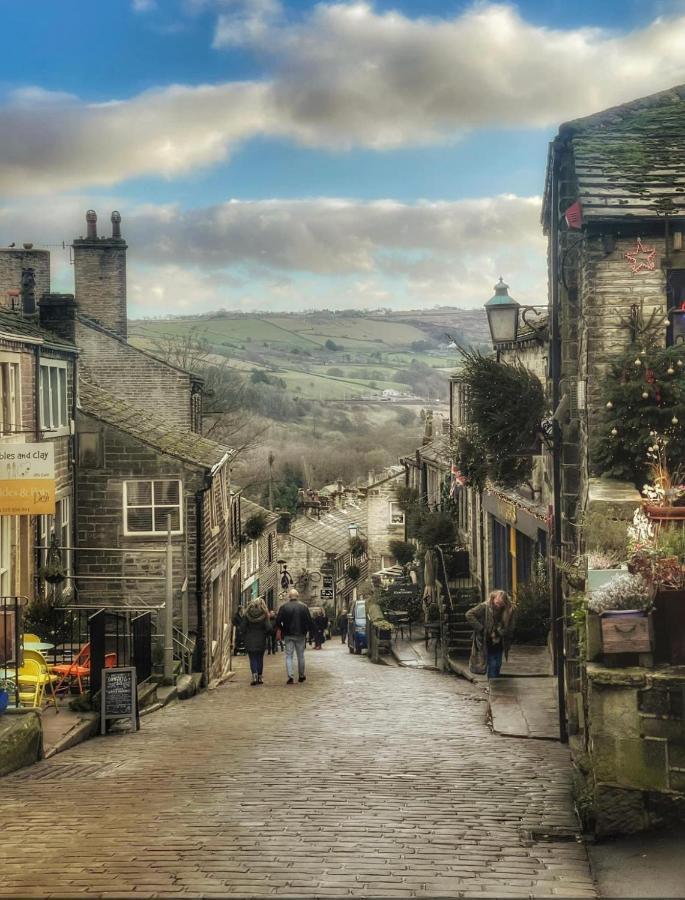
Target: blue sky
x=283, y=156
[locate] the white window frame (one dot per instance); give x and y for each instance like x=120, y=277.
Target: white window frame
x=10, y=391
x=57, y=424
x=394, y=509
x=153, y=506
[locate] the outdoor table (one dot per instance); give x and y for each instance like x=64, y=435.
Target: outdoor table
x=38, y=646
x=400, y=618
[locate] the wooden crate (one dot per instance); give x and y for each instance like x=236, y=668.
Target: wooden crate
x=629, y=633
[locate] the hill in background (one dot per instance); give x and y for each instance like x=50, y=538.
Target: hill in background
x=317, y=389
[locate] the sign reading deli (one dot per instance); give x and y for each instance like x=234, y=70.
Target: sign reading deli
x=27, y=479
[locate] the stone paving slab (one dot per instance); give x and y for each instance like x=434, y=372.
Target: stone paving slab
x=364, y=781
x=524, y=707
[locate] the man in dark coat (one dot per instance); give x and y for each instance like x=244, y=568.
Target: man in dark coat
x=295, y=622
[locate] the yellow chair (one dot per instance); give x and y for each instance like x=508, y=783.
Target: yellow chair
x=34, y=678
x=31, y=638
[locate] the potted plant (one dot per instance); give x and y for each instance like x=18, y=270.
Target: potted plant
x=6, y=689
x=606, y=540
x=357, y=546
x=254, y=526
x=624, y=606
x=664, y=494
x=353, y=572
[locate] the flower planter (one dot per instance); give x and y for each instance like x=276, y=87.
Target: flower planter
x=627, y=631
x=664, y=513
x=4, y=700
x=597, y=578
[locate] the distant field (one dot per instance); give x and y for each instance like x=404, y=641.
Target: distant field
x=293, y=347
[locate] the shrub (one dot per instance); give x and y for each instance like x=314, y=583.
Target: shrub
x=403, y=551
x=437, y=528
x=255, y=525
x=357, y=546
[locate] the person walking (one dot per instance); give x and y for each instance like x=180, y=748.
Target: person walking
x=319, y=625
x=256, y=628
x=342, y=625
x=493, y=625
x=295, y=622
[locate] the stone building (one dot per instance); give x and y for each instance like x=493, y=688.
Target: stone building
x=259, y=556
x=316, y=548
x=385, y=518
x=129, y=439
x=617, y=272
x=37, y=376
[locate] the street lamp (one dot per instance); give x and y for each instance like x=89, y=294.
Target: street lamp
x=503, y=314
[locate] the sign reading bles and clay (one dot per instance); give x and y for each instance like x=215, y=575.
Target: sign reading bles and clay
x=119, y=696
x=27, y=479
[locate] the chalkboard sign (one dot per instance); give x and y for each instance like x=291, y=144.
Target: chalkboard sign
x=119, y=696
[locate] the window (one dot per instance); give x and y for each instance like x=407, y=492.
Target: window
x=148, y=505
x=10, y=407
x=53, y=396
x=396, y=513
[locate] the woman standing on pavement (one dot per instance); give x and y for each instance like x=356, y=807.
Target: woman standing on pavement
x=256, y=628
x=320, y=622
x=493, y=625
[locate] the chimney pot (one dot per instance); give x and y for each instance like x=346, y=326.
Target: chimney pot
x=27, y=246
x=92, y=224
x=116, y=224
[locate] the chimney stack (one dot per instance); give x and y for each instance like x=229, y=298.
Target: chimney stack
x=28, y=292
x=100, y=275
x=58, y=314
x=92, y=225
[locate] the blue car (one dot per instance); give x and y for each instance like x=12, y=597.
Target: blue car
x=356, y=627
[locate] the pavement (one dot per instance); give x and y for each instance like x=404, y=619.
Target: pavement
x=364, y=781
x=642, y=865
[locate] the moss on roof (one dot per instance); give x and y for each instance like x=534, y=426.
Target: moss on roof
x=151, y=430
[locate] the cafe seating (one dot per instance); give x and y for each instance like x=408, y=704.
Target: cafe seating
x=79, y=669
x=33, y=679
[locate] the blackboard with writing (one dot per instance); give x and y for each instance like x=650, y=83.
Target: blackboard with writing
x=119, y=698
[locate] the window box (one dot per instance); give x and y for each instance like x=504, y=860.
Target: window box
x=627, y=631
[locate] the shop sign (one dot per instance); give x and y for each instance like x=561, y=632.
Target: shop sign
x=27, y=479
x=505, y=510
x=328, y=581
x=327, y=594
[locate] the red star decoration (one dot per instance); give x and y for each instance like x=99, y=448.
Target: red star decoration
x=641, y=258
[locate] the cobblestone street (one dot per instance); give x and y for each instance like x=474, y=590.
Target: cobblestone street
x=364, y=781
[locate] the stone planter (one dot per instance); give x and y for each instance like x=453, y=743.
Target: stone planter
x=4, y=700
x=626, y=631
x=597, y=578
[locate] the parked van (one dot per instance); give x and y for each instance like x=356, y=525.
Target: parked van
x=356, y=627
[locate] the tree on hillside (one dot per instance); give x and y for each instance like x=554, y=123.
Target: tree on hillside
x=331, y=345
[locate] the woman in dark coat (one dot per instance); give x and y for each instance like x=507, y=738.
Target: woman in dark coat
x=320, y=623
x=493, y=626
x=256, y=628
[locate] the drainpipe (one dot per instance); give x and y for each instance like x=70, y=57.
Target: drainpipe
x=557, y=600
x=200, y=654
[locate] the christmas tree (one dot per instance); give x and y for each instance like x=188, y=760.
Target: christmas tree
x=644, y=397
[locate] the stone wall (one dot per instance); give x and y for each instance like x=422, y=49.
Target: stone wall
x=117, y=367
x=379, y=529
x=636, y=746
x=12, y=261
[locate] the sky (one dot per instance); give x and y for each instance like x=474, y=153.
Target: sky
x=278, y=156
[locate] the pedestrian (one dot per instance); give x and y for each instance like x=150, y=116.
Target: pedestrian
x=493, y=624
x=319, y=623
x=342, y=625
x=272, y=640
x=256, y=628
x=295, y=622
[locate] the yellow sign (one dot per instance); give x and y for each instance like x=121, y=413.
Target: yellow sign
x=27, y=479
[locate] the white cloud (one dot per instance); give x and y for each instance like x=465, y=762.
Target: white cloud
x=142, y=6
x=346, y=76
x=295, y=254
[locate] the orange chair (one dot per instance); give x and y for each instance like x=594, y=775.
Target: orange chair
x=77, y=669
x=80, y=667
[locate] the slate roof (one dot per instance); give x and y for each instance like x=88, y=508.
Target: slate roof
x=629, y=160
x=151, y=430
x=248, y=509
x=330, y=533
x=13, y=323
